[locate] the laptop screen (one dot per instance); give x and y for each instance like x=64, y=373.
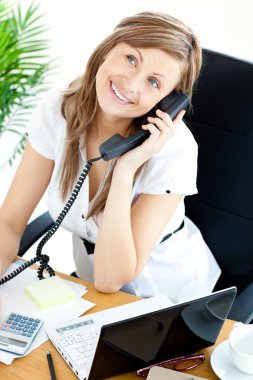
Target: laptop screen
x=148, y=339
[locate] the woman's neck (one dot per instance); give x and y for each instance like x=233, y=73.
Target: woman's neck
x=105, y=126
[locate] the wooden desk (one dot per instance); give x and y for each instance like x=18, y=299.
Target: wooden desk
x=35, y=367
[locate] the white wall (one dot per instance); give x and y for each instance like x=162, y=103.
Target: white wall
x=77, y=26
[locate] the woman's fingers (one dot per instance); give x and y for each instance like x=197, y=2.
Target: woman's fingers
x=160, y=124
x=164, y=123
x=152, y=129
x=161, y=128
x=179, y=117
x=167, y=119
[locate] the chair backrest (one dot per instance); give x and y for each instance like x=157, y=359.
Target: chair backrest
x=35, y=230
x=222, y=124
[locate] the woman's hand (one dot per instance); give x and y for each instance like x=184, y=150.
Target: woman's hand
x=161, y=128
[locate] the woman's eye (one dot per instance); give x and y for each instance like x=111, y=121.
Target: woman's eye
x=131, y=59
x=154, y=82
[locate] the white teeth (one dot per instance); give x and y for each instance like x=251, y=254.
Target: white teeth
x=118, y=94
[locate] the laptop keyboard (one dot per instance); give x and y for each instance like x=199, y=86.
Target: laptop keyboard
x=80, y=348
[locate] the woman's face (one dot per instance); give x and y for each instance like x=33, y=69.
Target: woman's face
x=132, y=80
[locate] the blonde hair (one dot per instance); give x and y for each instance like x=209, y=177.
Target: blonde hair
x=79, y=105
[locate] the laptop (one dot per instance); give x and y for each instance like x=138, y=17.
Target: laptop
x=136, y=335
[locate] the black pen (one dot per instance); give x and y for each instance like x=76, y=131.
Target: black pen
x=51, y=366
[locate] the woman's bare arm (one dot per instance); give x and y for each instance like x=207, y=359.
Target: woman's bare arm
x=28, y=186
x=127, y=235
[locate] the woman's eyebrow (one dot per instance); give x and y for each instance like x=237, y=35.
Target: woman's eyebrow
x=161, y=75
x=138, y=51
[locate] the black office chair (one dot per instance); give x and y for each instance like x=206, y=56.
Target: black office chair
x=222, y=124
x=35, y=230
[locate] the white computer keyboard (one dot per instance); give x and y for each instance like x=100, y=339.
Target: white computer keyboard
x=80, y=348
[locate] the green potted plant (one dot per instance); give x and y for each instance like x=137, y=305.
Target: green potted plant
x=24, y=65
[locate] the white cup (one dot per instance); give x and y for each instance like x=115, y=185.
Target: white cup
x=241, y=347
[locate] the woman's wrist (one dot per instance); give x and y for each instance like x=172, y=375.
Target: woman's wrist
x=123, y=173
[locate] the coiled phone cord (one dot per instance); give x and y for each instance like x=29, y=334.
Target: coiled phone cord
x=44, y=259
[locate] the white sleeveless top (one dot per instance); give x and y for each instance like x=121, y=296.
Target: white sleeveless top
x=181, y=267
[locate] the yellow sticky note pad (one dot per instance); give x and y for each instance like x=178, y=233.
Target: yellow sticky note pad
x=50, y=292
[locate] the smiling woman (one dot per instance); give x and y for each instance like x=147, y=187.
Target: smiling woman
x=128, y=223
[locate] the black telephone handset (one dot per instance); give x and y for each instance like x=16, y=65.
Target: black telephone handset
x=118, y=145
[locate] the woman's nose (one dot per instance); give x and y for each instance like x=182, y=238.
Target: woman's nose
x=132, y=83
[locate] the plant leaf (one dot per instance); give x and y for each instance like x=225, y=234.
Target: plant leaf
x=24, y=66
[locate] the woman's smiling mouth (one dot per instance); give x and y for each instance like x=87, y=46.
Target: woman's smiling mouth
x=119, y=96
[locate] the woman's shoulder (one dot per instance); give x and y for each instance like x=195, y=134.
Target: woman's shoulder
x=53, y=97
x=48, y=112
x=46, y=127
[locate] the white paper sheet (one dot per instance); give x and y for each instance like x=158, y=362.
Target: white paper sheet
x=14, y=299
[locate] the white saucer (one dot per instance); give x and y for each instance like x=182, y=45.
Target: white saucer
x=223, y=366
